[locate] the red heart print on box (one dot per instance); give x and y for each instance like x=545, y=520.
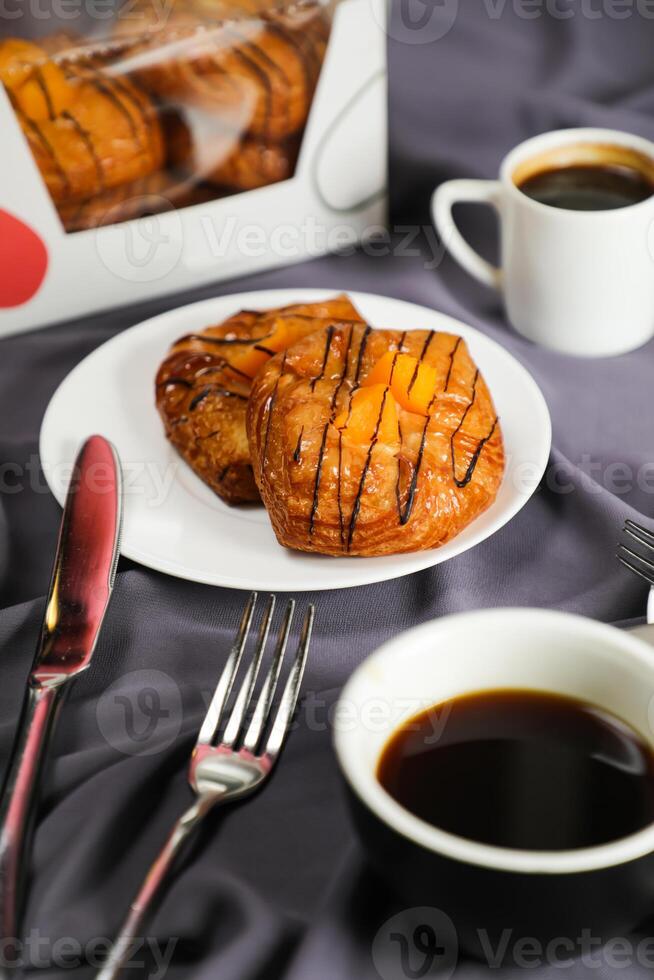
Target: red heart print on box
x=23, y=261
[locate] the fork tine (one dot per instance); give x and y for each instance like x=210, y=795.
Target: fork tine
x=639, y=534
x=292, y=689
x=262, y=709
x=633, y=568
x=622, y=549
x=226, y=682
x=242, y=702
x=636, y=571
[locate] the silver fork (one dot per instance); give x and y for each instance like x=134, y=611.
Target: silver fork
x=233, y=766
x=641, y=561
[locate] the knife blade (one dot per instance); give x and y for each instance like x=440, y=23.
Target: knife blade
x=82, y=581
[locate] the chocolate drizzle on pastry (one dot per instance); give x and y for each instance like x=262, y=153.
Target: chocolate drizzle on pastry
x=332, y=411
x=264, y=65
x=475, y=457
x=357, y=500
x=203, y=386
x=183, y=382
x=45, y=91
x=206, y=338
x=316, y=485
x=271, y=405
x=87, y=139
x=452, y=356
x=300, y=48
x=357, y=374
x=108, y=93
x=423, y=352
x=482, y=442
x=297, y=455
x=325, y=457
x=33, y=127
x=214, y=389
x=264, y=81
x=328, y=343
x=128, y=93
x=362, y=350
x=405, y=514
x=396, y=355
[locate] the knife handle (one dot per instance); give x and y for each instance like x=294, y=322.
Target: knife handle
x=19, y=798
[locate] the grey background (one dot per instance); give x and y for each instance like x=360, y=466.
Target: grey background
x=278, y=886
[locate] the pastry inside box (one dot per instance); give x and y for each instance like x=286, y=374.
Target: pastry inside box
x=171, y=105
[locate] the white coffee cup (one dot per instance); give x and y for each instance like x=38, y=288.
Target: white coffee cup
x=581, y=282
x=606, y=888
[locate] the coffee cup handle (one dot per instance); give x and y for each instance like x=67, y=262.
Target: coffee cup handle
x=444, y=198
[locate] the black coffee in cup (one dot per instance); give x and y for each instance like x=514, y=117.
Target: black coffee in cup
x=522, y=769
x=590, y=177
x=588, y=188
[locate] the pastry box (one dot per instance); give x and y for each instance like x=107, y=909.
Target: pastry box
x=150, y=146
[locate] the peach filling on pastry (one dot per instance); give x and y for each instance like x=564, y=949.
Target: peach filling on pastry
x=372, y=417
x=412, y=382
x=252, y=357
x=38, y=86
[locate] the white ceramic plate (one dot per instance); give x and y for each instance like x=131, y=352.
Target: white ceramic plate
x=175, y=524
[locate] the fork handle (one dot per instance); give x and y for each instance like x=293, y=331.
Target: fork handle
x=152, y=888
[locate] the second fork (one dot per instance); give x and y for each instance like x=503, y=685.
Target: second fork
x=228, y=767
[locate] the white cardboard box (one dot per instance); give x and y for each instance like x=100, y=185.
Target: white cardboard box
x=337, y=196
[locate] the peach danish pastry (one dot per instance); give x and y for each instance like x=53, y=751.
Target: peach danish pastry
x=157, y=192
x=38, y=88
x=257, y=72
x=371, y=442
x=203, y=385
x=89, y=131
x=254, y=165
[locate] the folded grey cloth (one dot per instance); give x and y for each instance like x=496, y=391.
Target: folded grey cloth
x=4, y=545
x=277, y=887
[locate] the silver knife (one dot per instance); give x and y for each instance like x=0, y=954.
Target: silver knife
x=82, y=581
